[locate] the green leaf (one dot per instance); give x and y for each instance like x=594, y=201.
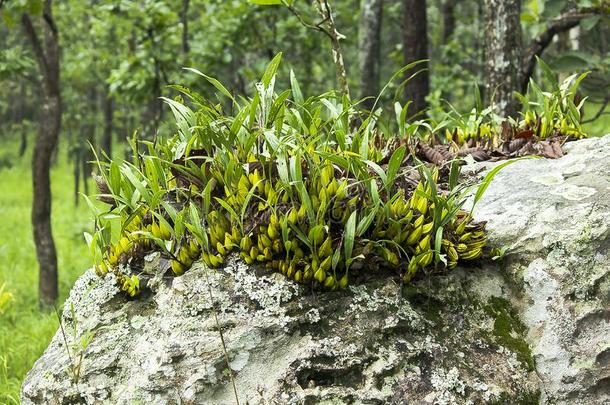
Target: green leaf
x=350, y=235
x=589, y=23
x=394, y=164
x=552, y=8
x=490, y=176
x=528, y=17
x=336, y=258
x=35, y=7
x=377, y=169
x=548, y=72
x=365, y=222
x=140, y=185
x=438, y=240
x=374, y=193
x=88, y=239
x=477, y=98
x=91, y=205
x=179, y=224
x=185, y=118
x=570, y=62
x=227, y=207
x=282, y=170
x=271, y=69
x=296, y=89
x=115, y=178
x=214, y=83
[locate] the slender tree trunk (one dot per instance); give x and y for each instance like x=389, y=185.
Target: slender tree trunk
x=370, y=32
x=502, y=54
x=12, y=109
x=185, y=26
x=47, y=57
x=415, y=47
x=23, y=145
x=448, y=12
x=108, y=109
x=23, y=128
x=77, y=163
x=90, y=130
x=326, y=13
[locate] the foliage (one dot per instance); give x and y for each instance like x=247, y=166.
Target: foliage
x=544, y=115
x=13, y=62
x=556, y=112
x=294, y=184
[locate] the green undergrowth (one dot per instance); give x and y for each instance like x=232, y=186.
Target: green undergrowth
x=551, y=113
x=24, y=330
x=314, y=188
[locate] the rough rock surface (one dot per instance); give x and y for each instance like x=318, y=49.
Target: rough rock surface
x=534, y=328
x=555, y=217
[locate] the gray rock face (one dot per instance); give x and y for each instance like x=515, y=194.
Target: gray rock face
x=555, y=216
x=535, y=328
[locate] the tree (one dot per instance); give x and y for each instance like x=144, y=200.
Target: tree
x=325, y=11
x=415, y=47
x=108, y=110
x=502, y=54
x=46, y=52
x=448, y=12
x=185, y=27
x=369, y=44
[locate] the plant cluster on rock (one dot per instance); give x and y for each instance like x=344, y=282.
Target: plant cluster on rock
x=313, y=188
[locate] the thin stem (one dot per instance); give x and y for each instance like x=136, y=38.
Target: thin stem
x=222, y=339
x=63, y=333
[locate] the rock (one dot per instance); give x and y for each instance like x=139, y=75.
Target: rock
x=533, y=328
x=555, y=216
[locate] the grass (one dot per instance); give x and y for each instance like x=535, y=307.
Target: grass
x=25, y=331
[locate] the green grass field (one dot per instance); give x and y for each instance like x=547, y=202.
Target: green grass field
x=24, y=330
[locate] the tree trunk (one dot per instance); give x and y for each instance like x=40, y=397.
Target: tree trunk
x=21, y=117
x=77, y=163
x=90, y=128
x=370, y=31
x=185, y=26
x=108, y=109
x=47, y=57
x=326, y=13
x=415, y=47
x=448, y=12
x=23, y=145
x=502, y=54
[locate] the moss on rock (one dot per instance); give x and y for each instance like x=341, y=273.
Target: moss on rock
x=508, y=330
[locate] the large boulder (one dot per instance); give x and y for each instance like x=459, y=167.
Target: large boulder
x=534, y=328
